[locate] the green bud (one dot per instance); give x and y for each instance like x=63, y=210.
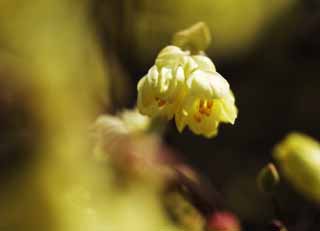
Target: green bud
x=298, y=157
x=195, y=38
x=268, y=178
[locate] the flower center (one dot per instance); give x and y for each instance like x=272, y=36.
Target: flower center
x=204, y=109
x=161, y=102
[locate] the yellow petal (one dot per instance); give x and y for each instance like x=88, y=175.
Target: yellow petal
x=204, y=63
x=180, y=123
x=170, y=56
x=225, y=109
x=207, y=84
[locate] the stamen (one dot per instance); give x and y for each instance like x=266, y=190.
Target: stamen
x=201, y=103
x=201, y=106
x=202, y=110
x=161, y=102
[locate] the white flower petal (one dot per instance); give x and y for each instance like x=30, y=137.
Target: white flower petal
x=207, y=84
x=204, y=63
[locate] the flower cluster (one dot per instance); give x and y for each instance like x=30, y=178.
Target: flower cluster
x=188, y=88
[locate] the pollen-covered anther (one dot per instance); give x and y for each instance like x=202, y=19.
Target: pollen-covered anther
x=205, y=107
x=161, y=102
x=209, y=104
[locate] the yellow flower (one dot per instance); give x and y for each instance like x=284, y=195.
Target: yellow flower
x=162, y=89
x=209, y=101
x=298, y=157
x=188, y=87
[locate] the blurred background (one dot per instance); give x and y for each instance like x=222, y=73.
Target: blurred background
x=64, y=62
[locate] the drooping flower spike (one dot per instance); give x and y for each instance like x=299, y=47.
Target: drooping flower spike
x=189, y=88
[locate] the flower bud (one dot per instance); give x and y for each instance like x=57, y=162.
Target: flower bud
x=223, y=221
x=195, y=38
x=268, y=178
x=298, y=157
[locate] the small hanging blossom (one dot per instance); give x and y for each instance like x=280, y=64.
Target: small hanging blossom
x=187, y=87
x=162, y=89
x=208, y=103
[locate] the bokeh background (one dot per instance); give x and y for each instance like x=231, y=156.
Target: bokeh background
x=96, y=51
